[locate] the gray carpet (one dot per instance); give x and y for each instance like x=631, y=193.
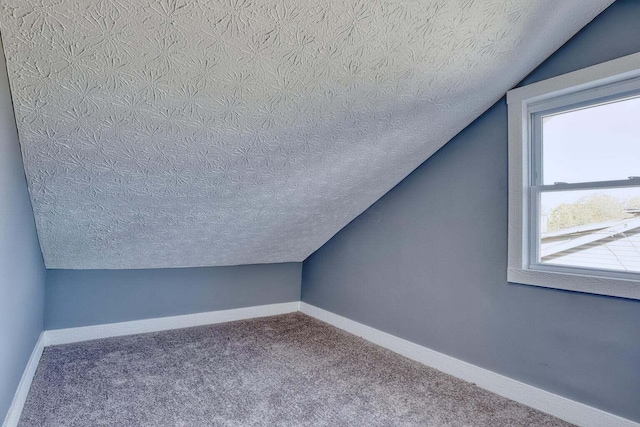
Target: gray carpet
x=288, y=370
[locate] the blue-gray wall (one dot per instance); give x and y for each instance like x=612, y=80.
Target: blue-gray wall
x=22, y=272
x=427, y=262
x=89, y=297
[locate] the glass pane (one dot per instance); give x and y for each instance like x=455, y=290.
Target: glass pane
x=597, y=229
x=600, y=143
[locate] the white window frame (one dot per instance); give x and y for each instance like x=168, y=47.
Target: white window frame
x=608, y=79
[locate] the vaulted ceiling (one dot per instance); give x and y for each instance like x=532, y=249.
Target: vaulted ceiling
x=179, y=133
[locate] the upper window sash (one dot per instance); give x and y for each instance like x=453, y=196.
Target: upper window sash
x=615, y=92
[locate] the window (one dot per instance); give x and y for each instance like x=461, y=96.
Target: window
x=574, y=181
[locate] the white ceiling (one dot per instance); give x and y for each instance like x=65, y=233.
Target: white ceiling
x=179, y=133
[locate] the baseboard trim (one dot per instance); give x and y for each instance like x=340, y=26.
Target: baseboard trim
x=558, y=406
x=19, y=399
x=561, y=407
x=85, y=333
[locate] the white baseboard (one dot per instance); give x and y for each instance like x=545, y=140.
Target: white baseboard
x=15, y=410
x=561, y=407
x=558, y=406
x=85, y=333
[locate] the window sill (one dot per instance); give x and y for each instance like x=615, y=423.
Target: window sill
x=623, y=288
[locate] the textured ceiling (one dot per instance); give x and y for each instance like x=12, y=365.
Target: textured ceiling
x=200, y=132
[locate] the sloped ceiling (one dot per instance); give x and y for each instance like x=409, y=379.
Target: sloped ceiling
x=178, y=133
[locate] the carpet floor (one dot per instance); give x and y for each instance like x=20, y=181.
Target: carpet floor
x=288, y=370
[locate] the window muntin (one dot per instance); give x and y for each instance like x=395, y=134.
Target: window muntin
x=585, y=186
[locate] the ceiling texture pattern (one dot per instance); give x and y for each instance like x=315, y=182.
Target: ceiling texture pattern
x=177, y=133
